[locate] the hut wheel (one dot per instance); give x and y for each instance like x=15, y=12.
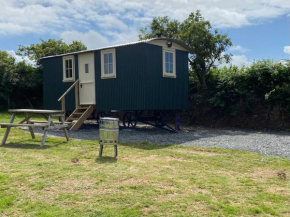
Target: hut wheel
x=161, y=118
x=129, y=120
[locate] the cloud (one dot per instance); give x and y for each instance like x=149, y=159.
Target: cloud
x=18, y=19
x=240, y=60
x=55, y=16
x=287, y=49
x=20, y=58
x=237, y=60
x=238, y=49
x=223, y=18
x=101, y=23
x=91, y=38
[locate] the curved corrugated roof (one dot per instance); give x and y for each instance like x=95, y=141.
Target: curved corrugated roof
x=121, y=45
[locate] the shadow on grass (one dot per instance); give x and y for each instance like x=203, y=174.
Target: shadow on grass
x=23, y=145
x=106, y=159
x=144, y=146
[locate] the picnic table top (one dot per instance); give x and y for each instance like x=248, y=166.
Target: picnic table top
x=36, y=111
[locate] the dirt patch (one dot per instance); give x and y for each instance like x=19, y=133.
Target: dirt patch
x=142, y=160
x=278, y=190
x=262, y=174
x=199, y=152
x=133, y=182
x=174, y=158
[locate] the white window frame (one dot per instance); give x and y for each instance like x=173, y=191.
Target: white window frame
x=166, y=74
x=65, y=79
x=103, y=52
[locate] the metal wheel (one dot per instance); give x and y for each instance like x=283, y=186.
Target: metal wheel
x=129, y=120
x=161, y=118
x=100, y=115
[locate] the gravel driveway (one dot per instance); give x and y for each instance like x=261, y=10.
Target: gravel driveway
x=264, y=142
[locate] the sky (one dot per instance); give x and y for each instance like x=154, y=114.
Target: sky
x=259, y=29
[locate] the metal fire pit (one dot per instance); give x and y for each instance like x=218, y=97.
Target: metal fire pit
x=108, y=133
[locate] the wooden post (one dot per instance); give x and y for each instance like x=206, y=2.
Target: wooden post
x=77, y=95
x=30, y=128
x=8, y=129
x=45, y=131
x=63, y=104
x=62, y=98
x=64, y=129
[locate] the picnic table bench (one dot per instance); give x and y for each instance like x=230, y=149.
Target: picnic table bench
x=47, y=125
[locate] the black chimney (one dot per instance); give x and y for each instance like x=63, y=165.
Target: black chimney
x=159, y=35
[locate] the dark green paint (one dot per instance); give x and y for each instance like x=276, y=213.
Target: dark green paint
x=54, y=87
x=140, y=84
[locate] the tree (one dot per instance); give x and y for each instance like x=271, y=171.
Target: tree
x=6, y=74
x=49, y=48
x=21, y=83
x=160, y=25
x=207, y=45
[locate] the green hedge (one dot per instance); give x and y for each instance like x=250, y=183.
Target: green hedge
x=20, y=84
x=234, y=92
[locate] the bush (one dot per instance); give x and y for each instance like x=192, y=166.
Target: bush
x=20, y=84
x=232, y=91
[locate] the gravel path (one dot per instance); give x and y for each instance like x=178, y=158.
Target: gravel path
x=264, y=142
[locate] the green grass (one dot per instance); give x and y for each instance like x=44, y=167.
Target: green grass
x=145, y=180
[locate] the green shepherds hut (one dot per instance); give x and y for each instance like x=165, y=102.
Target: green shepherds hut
x=148, y=75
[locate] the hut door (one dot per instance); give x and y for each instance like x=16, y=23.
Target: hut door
x=87, y=79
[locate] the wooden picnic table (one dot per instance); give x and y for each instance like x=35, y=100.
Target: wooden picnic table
x=47, y=125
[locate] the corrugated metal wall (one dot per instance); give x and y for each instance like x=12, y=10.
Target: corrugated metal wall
x=140, y=84
x=54, y=87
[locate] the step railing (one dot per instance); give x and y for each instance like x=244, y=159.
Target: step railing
x=62, y=98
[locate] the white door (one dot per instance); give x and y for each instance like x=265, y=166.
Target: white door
x=87, y=79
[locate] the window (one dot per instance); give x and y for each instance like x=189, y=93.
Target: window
x=68, y=69
x=169, y=63
x=108, y=63
x=87, y=68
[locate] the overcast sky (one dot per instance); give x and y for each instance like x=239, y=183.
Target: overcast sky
x=258, y=28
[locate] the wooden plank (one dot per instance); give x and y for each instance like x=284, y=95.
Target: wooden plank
x=8, y=130
x=68, y=90
x=35, y=111
x=24, y=120
x=43, y=138
x=45, y=132
x=42, y=122
x=63, y=104
x=72, y=114
x=64, y=129
x=77, y=95
x=82, y=119
x=30, y=128
x=4, y=125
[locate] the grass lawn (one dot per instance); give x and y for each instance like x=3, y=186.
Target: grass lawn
x=67, y=179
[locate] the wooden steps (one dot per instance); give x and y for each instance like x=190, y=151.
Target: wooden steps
x=79, y=115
